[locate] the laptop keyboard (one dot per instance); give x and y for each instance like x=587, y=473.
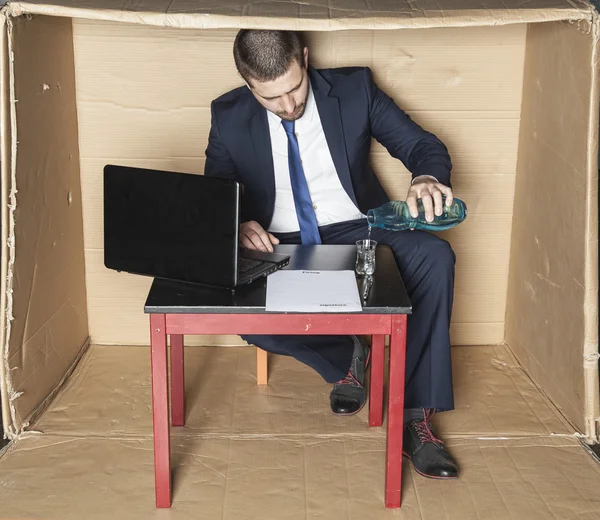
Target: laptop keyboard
x=246, y=264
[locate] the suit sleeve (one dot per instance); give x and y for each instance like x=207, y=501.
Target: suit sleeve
x=218, y=161
x=420, y=151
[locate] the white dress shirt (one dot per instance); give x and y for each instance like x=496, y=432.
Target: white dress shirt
x=330, y=201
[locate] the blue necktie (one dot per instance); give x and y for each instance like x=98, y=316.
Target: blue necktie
x=309, y=229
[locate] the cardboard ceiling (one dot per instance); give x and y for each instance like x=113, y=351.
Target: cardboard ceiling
x=313, y=15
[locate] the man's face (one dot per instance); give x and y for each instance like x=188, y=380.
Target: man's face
x=285, y=96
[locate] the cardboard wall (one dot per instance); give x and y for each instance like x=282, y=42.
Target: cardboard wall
x=552, y=298
x=47, y=324
x=143, y=96
x=5, y=168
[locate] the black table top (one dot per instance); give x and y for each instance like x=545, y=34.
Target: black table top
x=386, y=296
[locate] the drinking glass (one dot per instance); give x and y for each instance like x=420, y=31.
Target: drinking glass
x=365, y=257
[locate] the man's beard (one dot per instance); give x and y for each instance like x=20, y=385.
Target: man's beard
x=297, y=115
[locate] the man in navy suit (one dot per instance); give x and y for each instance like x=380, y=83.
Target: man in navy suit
x=298, y=139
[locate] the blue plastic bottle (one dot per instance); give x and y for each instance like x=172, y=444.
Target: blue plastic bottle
x=395, y=216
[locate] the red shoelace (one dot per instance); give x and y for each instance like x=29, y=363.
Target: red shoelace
x=349, y=380
x=424, y=431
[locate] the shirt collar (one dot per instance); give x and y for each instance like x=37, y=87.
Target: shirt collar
x=309, y=111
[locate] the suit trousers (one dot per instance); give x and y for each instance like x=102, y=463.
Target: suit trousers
x=426, y=264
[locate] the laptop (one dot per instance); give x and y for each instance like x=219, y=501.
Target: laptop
x=178, y=226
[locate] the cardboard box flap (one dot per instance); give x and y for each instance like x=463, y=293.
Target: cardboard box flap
x=46, y=314
x=590, y=347
x=554, y=258
x=312, y=14
x=5, y=168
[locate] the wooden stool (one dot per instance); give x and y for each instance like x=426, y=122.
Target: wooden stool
x=262, y=367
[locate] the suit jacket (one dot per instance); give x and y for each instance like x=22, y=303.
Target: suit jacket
x=352, y=110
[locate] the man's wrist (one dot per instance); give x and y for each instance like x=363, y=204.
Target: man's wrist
x=416, y=179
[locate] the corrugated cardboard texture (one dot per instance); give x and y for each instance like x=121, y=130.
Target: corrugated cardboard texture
x=49, y=323
x=150, y=108
x=545, y=315
x=277, y=452
x=313, y=14
x=110, y=395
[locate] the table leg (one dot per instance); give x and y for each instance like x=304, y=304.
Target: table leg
x=177, y=381
x=160, y=410
x=377, y=376
x=395, y=426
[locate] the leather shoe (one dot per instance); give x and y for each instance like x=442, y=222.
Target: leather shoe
x=349, y=394
x=426, y=451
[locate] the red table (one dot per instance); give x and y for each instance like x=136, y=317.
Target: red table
x=177, y=309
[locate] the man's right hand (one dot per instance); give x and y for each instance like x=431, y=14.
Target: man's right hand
x=253, y=236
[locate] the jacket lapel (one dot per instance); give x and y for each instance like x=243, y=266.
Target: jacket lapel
x=329, y=112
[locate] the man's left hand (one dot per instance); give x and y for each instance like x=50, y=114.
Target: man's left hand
x=430, y=192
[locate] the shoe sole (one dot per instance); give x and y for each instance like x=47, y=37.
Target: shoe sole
x=348, y=414
x=404, y=454
x=363, y=405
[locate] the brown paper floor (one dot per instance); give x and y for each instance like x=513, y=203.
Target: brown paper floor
x=276, y=452
x=110, y=394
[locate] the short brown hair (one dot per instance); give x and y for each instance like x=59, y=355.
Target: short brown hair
x=266, y=55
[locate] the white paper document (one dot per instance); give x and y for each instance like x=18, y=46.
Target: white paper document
x=313, y=291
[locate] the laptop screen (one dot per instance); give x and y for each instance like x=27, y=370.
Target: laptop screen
x=170, y=225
